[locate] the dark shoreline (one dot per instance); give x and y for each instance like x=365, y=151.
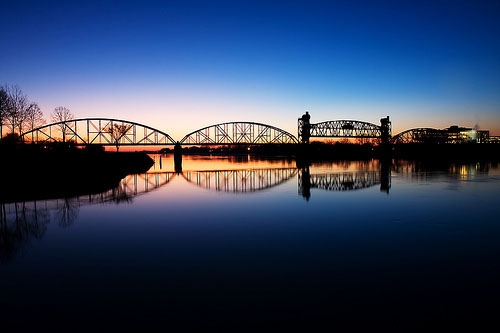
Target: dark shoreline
x=32, y=172
x=41, y=175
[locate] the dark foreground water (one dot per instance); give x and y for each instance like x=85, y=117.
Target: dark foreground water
x=233, y=243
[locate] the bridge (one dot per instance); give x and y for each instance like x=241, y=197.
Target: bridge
x=343, y=129
x=119, y=132
x=234, y=133
x=102, y=131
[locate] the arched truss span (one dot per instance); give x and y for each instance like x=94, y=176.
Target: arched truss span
x=240, y=181
x=345, y=128
x=103, y=131
x=420, y=135
x=233, y=133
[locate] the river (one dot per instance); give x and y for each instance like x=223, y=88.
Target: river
x=245, y=240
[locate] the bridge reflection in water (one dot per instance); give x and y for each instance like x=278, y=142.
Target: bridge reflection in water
x=234, y=181
x=344, y=181
x=22, y=221
x=239, y=181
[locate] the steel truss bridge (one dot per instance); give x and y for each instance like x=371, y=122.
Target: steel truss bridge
x=117, y=132
x=233, y=133
x=343, y=129
x=102, y=131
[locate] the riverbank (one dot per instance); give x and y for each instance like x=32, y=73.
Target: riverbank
x=39, y=175
x=317, y=151
x=450, y=152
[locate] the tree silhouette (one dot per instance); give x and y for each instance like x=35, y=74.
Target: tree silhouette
x=18, y=227
x=3, y=108
x=117, y=131
x=67, y=213
x=16, y=110
x=62, y=114
x=34, y=117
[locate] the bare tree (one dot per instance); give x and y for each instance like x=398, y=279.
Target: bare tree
x=117, y=131
x=17, y=105
x=61, y=115
x=364, y=141
x=67, y=213
x=3, y=108
x=34, y=117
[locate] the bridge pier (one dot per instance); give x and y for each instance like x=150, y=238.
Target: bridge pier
x=304, y=184
x=178, y=158
x=304, y=128
x=385, y=174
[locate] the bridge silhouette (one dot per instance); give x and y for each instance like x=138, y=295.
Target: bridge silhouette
x=118, y=132
x=114, y=132
x=87, y=131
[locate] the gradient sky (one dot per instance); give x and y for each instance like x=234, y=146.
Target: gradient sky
x=184, y=65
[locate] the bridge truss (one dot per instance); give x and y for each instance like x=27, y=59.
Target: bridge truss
x=102, y=131
x=234, y=133
x=344, y=129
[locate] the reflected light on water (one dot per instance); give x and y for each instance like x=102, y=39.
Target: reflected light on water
x=255, y=236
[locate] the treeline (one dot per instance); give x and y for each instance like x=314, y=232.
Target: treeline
x=18, y=114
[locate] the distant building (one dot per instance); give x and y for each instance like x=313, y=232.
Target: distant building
x=494, y=139
x=457, y=134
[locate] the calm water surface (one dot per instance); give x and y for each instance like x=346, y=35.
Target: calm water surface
x=242, y=240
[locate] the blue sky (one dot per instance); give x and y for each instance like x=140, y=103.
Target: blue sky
x=184, y=65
